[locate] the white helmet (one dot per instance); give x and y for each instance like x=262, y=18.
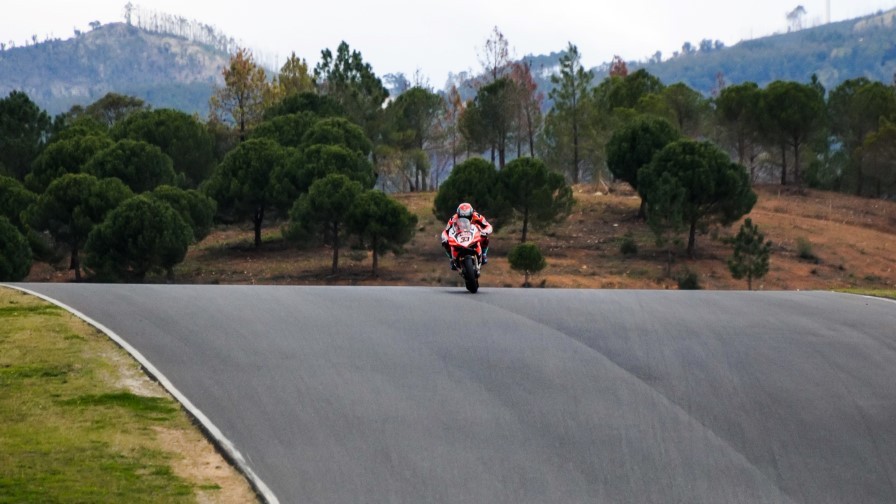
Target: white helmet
x=465, y=211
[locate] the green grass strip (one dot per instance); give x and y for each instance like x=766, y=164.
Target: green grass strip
x=69, y=430
x=889, y=294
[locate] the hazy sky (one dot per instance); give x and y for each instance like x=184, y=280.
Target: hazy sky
x=438, y=38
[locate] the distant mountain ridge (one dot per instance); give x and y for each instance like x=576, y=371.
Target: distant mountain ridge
x=834, y=52
x=165, y=70
x=168, y=70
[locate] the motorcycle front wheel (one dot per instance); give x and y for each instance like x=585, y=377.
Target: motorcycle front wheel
x=469, y=273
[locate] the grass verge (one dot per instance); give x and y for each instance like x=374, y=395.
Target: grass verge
x=73, y=429
x=889, y=294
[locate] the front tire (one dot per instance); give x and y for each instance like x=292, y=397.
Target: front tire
x=469, y=273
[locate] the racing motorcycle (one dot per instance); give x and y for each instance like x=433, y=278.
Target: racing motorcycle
x=465, y=238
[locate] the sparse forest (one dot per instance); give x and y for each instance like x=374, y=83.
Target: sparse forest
x=168, y=24
x=304, y=148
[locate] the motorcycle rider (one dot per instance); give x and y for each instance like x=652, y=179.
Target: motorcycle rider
x=465, y=211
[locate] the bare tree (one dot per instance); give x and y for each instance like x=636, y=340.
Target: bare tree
x=495, y=56
x=795, y=18
x=128, y=11
x=528, y=105
x=192, y=30
x=453, y=109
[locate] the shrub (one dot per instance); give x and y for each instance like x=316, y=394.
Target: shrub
x=526, y=257
x=804, y=250
x=628, y=247
x=15, y=254
x=689, y=281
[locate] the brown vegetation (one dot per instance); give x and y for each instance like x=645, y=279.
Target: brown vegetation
x=821, y=240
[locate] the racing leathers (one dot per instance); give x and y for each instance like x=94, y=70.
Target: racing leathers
x=477, y=220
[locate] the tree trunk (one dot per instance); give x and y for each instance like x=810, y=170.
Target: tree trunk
x=75, y=263
x=669, y=262
x=692, y=239
x=797, y=177
x=783, y=164
x=257, y=220
x=753, y=157
x=374, y=244
x=860, y=177
x=242, y=122
x=642, y=210
x=525, y=223
x=531, y=131
x=575, y=150
x=335, y=247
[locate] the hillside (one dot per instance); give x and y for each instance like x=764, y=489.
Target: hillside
x=846, y=242
x=164, y=70
x=864, y=47
x=172, y=71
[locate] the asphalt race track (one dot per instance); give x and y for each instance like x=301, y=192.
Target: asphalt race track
x=412, y=395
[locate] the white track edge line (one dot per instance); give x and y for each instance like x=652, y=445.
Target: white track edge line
x=879, y=298
x=207, y=424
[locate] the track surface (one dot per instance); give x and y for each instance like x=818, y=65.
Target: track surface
x=408, y=395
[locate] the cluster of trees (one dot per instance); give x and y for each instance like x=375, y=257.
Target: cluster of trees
x=836, y=140
x=311, y=145
x=115, y=183
x=797, y=133
x=159, y=22
x=306, y=145
x=525, y=191
x=127, y=188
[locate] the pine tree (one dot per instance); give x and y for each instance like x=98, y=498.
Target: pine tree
x=570, y=96
x=526, y=257
x=751, y=253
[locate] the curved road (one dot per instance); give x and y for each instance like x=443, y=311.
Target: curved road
x=408, y=395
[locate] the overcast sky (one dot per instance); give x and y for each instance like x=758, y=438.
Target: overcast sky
x=441, y=37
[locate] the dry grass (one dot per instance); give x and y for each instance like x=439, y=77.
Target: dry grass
x=853, y=241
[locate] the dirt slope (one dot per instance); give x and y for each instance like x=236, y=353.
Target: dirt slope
x=845, y=242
